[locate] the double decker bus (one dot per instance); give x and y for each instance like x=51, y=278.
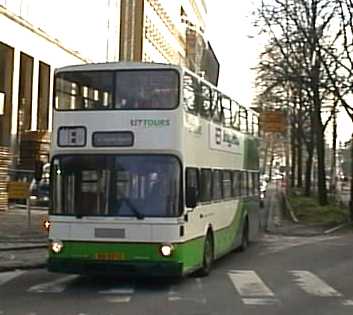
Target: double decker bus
x=153, y=171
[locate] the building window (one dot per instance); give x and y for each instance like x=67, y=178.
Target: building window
x=43, y=96
x=25, y=93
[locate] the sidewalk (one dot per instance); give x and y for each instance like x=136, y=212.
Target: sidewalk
x=23, y=242
x=280, y=221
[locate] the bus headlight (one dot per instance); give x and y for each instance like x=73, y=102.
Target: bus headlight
x=57, y=246
x=166, y=250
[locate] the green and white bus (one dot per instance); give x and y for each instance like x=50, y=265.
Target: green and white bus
x=153, y=171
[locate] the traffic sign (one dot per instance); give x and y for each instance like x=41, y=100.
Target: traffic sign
x=274, y=121
x=18, y=190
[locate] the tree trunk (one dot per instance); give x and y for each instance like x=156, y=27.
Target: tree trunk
x=300, y=139
x=294, y=156
x=320, y=149
x=308, y=171
x=319, y=134
x=299, y=161
x=333, y=161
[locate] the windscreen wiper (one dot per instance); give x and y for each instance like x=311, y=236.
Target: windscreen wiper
x=138, y=214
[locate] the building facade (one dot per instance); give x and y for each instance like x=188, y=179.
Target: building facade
x=161, y=30
x=39, y=36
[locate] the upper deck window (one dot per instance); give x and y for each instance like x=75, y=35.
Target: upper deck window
x=123, y=89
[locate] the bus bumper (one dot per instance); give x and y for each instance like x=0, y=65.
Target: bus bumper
x=131, y=268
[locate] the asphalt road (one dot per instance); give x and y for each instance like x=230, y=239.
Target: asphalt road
x=276, y=275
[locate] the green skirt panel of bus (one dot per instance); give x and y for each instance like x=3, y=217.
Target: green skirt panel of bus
x=139, y=256
x=84, y=256
x=226, y=238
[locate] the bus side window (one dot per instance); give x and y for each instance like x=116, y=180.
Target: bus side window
x=227, y=184
x=216, y=185
x=244, y=126
x=255, y=182
x=189, y=94
x=216, y=109
x=250, y=184
x=235, y=115
x=235, y=184
x=226, y=111
x=206, y=101
x=205, y=185
x=246, y=183
x=192, y=180
x=241, y=179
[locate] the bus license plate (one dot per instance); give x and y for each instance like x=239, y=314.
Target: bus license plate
x=110, y=256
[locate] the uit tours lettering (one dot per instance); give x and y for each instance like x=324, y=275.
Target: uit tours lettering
x=150, y=123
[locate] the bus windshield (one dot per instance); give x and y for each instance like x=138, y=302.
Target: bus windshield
x=123, y=89
x=125, y=185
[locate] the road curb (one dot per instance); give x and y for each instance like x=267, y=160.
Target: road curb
x=22, y=248
x=297, y=234
x=338, y=227
x=23, y=267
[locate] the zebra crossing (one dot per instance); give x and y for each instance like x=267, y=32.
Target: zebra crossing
x=255, y=292
x=248, y=285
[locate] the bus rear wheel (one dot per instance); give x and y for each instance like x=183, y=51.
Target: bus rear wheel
x=245, y=236
x=207, y=256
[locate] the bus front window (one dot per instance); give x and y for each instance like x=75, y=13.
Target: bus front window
x=141, y=186
x=120, y=90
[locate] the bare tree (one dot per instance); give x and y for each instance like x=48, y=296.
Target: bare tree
x=301, y=30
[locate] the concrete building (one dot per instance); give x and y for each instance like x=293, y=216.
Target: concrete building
x=39, y=36
x=162, y=31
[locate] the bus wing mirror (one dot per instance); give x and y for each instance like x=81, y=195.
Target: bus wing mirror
x=191, y=197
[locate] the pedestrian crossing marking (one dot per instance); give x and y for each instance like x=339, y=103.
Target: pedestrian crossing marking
x=312, y=284
x=174, y=295
x=252, y=290
x=117, y=291
x=56, y=286
x=201, y=300
x=260, y=301
x=278, y=243
x=8, y=276
x=123, y=294
x=249, y=284
x=118, y=299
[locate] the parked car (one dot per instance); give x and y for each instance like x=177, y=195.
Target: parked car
x=39, y=189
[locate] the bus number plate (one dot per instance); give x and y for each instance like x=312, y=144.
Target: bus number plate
x=110, y=256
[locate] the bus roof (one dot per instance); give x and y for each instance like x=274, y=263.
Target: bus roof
x=117, y=66
x=106, y=66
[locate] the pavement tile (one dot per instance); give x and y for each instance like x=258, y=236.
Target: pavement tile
x=23, y=242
